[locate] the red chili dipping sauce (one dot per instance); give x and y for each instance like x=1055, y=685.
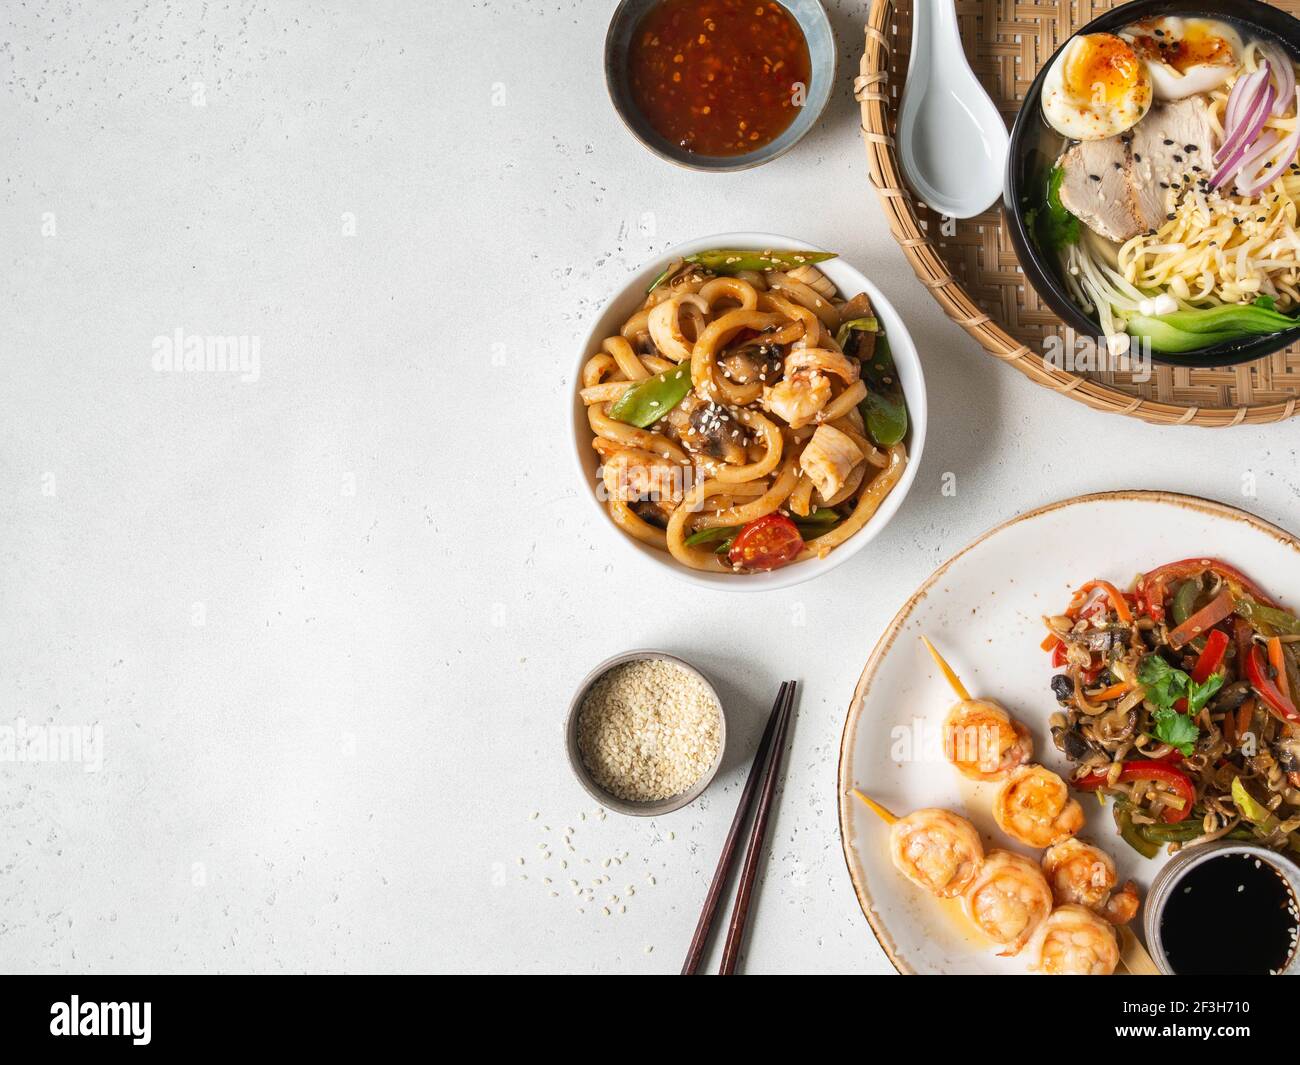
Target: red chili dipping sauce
x=719, y=77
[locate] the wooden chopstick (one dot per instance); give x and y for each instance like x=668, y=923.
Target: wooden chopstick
x=727, y=859
x=757, y=834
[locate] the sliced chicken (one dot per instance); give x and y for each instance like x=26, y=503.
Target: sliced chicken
x=829, y=458
x=1123, y=186
x=1099, y=189
x=1171, y=150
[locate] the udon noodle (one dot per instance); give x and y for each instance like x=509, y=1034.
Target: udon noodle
x=771, y=421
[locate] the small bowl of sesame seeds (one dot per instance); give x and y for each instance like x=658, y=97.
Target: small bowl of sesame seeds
x=645, y=733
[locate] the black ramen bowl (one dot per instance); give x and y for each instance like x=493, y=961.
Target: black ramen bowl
x=1026, y=160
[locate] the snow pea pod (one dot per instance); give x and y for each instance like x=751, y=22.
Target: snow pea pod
x=713, y=535
x=885, y=408
x=734, y=260
x=647, y=401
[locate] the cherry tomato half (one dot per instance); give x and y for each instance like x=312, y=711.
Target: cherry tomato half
x=766, y=543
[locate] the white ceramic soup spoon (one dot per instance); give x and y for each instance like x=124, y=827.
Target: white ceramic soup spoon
x=952, y=142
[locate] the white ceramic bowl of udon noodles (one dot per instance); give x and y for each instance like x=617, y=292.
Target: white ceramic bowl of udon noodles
x=849, y=281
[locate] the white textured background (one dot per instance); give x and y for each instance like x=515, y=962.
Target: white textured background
x=346, y=753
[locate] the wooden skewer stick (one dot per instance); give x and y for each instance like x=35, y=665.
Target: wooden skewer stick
x=884, y=814
x=1133, y=956
x=946, y=669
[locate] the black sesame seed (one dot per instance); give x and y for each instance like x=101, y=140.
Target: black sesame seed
x=1168, y=141
x=1137, y=158
x=1164, y=184
x=1189, y=148
x=1119, y=166
x=1170, y=216
x=1178, y=158
x=1094, y=177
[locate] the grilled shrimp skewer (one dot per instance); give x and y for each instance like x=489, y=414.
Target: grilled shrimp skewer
x=935, y=849
x=1034, y=806
x=1074, y=941
x=980, y=739
x=1007, y=900
x=1084, y=875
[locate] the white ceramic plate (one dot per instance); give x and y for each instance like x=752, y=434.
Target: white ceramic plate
x=849, y=281
x=983, y=609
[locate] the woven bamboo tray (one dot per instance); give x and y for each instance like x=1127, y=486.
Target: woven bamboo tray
x=971, y=268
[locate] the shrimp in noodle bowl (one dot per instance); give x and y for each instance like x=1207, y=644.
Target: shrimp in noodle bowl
x=746, y=415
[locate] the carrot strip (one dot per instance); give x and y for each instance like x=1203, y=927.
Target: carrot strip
x=1113, y=692
x=1278, y=663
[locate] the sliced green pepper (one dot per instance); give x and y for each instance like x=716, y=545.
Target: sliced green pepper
x=1270, y=620
x=885, y=408
x=1184, y=605
x=734, y=260
x=647, y=401
x=1129, y=832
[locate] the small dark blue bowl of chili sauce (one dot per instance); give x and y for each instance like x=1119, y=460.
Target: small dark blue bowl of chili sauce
x=1226, y=911
x=719, y=84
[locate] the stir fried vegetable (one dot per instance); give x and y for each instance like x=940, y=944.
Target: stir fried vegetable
x=647, y=401
x=1178, y=698
x=733, y=260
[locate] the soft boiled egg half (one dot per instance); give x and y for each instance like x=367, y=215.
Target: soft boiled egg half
x=1185, y=56
x=1096, y=88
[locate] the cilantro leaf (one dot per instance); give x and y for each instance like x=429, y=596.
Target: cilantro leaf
x=1200, y=694
x=1164, y=685
x=1177, y=730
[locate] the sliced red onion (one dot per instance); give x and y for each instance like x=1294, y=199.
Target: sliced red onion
x=1241, y=89
x=1284, y=70
x=1242, y=138
x=1280, y=155
x=1251, y=115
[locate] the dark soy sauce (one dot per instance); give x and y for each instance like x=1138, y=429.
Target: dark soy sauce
x=1230, y=915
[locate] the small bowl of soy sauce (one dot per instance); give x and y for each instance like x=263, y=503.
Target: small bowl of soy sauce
x=1225, y=909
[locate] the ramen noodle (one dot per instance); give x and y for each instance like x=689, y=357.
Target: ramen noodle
x=746, y=416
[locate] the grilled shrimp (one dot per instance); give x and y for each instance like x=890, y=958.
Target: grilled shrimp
x=798, y=399
x=1074, y=941
x=1034, y=806
x=983, y=741
x=936, y=850
x=1084, y=875
x=1007, y=900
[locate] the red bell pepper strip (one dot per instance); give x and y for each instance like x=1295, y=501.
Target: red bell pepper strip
x=1149, y=769
x=1216, y=647
x=1151, y=586
x=1257, y=674
x=1220, y=607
